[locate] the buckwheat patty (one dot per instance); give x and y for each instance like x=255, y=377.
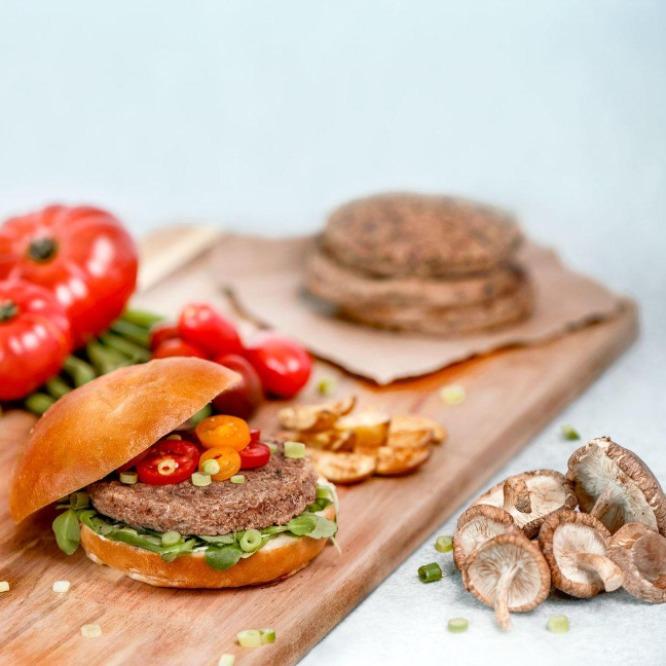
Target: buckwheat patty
x=271, y=495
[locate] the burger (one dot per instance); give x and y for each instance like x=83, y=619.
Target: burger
x=146, y=491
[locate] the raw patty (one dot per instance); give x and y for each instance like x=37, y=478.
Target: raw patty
x=346, y=287
x=271, y=495
x=394, y=235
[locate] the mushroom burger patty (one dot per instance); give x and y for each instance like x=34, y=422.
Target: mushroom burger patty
x=271, y=495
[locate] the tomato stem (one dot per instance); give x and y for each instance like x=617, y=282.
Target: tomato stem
x=8, y=310
x=42, y=249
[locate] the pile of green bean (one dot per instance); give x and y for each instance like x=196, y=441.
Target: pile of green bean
x=126, y=342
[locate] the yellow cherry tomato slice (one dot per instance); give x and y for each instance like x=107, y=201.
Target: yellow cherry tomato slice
x=223, y=430
x=227, y=458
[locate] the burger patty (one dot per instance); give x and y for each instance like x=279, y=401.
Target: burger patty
x=271, y=495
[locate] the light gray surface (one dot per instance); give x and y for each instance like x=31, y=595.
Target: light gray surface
x=266, y=114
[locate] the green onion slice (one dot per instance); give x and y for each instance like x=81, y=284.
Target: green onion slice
x=429, y=573
x=444, y=543
x=171, y=538
x=570, y=433
x=294, y=450
x=267, y=636
x=237, y=478
x=250, y=541
x=210, y=467
x=249, y=638
x=458, y=625
x=558, y=624
x=201, y=480
x=130, y=478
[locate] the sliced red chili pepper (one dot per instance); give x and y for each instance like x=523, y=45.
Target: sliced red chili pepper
x=255, y=454
x=255, y=434
x=168, y=461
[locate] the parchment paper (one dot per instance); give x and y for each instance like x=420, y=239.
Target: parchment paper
x=265, y=277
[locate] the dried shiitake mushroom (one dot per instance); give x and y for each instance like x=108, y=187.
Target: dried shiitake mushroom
x=616, y=486
x=341, y=467
x=575, y=546
x=315, y=418
x=641, y=554
x=477, y=525
x=509, y=573
x=531, y=497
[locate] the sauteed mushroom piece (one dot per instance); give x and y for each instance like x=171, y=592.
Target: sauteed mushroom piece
x=476, y=525
x=616, y=486
x=509, y=573
x=641, y=554
x=530, y=497
x=575, y=546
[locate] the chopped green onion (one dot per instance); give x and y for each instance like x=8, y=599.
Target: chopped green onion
x=558, y=624
x=249, y=638
x=61, y=586
x=130, y=478
x=226, y=660
x=267, y=636
x=429, y=573
x=210, y=467
x=171, y=538
x=452, y=394
x=201, y=480
x=202, y=414
x=458, y=625
x=294, y=450
x=326, y=386
x=444, y=543
x=272, y=446
x=570, y=433
x=250, y=541
x=79, y=500
x=38, y=403
x=91, y=631
x=4, y=586
x=237, y=478
x=141, y=318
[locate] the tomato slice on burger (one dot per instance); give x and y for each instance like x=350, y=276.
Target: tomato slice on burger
x=168, y=461
x=223, y=430
x=227, y=458
x=255, y=454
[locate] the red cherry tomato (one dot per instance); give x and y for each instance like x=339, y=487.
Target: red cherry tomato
x=243, y=400
x=168, y=461
x=177, y=347
x=81, y=254
x=162, y=332
x=255, y=454
x=201, y=325
x=282, y=364
x=34, y=337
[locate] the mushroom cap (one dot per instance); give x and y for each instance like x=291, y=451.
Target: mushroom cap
x=629, y=490
x=548, y=490
x=566, y=534
x=641, y=554
x=478, y=524
x=485, y=565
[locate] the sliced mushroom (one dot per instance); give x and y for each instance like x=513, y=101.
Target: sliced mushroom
x=315, y=418
x=417, y=426
x=369, y=429
x=616, y=486
x=509, y=573
x=575, y=546
x=477, y=525
x=394, y=461
x=641, y=554
x=343, y=467
x=530, y=497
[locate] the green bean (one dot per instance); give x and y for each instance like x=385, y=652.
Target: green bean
x=57, y=387
x=135, y=353
x=132, y=332
x=38, y=403
x=80, y=371
x=104, y=359
x=141, y=318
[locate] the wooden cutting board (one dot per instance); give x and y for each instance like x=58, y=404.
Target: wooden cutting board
x=511, y=395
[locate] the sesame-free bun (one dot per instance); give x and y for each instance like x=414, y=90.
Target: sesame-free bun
x=191, y=571
x=100, y=426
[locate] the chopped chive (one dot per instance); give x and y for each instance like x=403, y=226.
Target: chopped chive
x=326, y=386
x=201, y=480
x=4, y=586
x=429, y=573
x=558, y=624
x=210, y=467
x=267, y=636
x=130, y=478
x=452, y=394
x=61, y=586
x=227, y=660
x=202, y=414
x=272, y=446
x=171, y=538
x=91, y=631
x=294, y=450
x=570, y=433
x=444, y=543
x=237, y=478
x=249, y=638
x=457, y=625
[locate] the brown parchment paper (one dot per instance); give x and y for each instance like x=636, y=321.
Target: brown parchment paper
x=265, y=277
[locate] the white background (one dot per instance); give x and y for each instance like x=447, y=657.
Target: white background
x=264, y=115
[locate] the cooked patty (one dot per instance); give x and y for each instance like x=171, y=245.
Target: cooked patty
x=271, y=495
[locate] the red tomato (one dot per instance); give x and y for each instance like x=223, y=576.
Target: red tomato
x=283, y=365
x=244, y=399
x=83, y=255
x=168, y=461
x=255, y=454
x=34, y=337
x=201, y=325
x=255, y=434
x=176, y=347
x=162, y=332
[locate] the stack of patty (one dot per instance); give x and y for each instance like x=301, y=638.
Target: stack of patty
x=432, y=264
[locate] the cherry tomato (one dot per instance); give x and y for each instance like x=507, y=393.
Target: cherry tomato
x=255, y=454
x=201, y=325
x=243, y=400
x=34, y=337
x=168, y=461
x=82, y=255
x=283, y=365
x=176, y=347
x=227, y=458
x=223, y=430
x=162, y=332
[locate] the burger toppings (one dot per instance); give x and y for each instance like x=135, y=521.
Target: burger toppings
x=168, y=461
